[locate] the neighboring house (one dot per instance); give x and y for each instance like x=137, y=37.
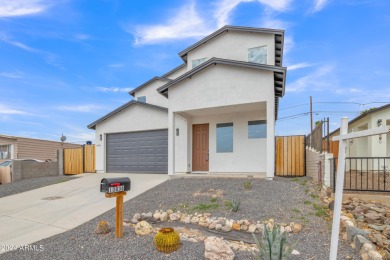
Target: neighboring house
x=373, y=146
x=14, y=147
x=215, y=113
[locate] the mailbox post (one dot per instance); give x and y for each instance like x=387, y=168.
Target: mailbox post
x=116, y=188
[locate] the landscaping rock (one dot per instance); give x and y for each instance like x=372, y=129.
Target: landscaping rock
x=218, y=226
x=296, y=228
x=236, y=226
x=164, y=216
x=103, y=228
x=143, y=228
x=244, y=227
x=157, y=215
x=174, y=216
x=353, y=231
x=359, y=241
x=386, y=232
x=137, y=216
x=217, y=249
x=252, y=228
x=374, y=255
x=377, y=228
x=169, y=211
x=194, y=220
x=212, y=225
x=226, y=228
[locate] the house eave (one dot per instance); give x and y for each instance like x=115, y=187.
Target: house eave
x=279, y=40
x=121, y=108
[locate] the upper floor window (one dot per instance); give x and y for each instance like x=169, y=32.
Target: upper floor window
x=196, y=63
x=5, y=152
x=257, y=129
x=225, y=138
x=258, y=54
x=141, y=99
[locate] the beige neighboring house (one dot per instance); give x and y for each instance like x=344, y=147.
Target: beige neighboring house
x=14, y=147
x=373, y=146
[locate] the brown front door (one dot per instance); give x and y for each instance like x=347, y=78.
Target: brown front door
x=200, y=147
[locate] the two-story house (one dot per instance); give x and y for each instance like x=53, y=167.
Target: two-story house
x=213, y=114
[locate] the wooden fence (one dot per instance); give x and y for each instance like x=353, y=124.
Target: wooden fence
x=79, y=160
x=290, y=156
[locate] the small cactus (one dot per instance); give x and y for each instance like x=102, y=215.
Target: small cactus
x=235, y=205
x=247, y=184
x=167, y=240
x=273, y=244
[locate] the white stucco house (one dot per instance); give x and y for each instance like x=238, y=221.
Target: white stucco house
x=215, y=113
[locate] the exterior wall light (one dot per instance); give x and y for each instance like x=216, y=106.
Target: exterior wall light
x=177, y=132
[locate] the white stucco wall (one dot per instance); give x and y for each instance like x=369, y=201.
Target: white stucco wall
x=152, y=96
x=221, y=85
x=234, y=45
x=177, y=73
x=134, y=118
x=248, y=156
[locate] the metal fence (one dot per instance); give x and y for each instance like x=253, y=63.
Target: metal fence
x=364, y=173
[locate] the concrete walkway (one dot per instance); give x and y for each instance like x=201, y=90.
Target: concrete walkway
x=28, y=217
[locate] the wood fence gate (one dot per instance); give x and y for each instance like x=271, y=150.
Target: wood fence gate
x=290, y=156
x=79, y=160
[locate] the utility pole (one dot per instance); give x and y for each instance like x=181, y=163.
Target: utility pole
x=311, y=114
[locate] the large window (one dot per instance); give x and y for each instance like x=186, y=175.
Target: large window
x=257, y=129
x=225, y=138
x=5, y=152
x=141, y=99
x=196, y=63
x=258, y=54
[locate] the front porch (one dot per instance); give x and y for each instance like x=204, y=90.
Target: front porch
x=227, y=140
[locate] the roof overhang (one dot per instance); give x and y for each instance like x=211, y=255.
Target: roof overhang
x=132, y=92
x=121, y=108
x=278, y=72
x=279, y=40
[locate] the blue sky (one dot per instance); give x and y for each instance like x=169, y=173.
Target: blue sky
x=65, y=63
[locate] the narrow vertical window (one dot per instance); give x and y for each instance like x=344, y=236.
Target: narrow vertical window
x=225, y=138
x=258, y=55
x=257, y=129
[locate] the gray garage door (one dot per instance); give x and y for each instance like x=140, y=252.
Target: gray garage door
x=144, y=152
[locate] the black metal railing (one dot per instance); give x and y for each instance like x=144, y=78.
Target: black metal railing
x=363, y=173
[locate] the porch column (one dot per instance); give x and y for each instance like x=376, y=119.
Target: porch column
x=171, y=143
x=270, y=138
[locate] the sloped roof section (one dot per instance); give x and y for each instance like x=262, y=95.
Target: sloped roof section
x=279, y=40
x=121, y=108
x=132, y=92
x=279, y=76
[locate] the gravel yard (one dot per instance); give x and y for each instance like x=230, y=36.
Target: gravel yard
x=285, y=200
x=30, y=184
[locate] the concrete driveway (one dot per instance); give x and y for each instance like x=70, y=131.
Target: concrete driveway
x=37, y=214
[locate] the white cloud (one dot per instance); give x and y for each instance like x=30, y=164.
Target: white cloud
x=225, y=8
x=80, y=108
x=80, y=137
x=82, y=36
x=299, y=66
x=318, y=5
x=317, y=80
x=14, y=75
x=113, y=89
x=5, y=110
x=9, y=8
x=187, y=24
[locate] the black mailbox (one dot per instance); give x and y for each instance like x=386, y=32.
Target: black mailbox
x=112, y=185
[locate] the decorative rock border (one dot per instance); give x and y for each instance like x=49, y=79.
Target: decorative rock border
x=359, y=238
x=214, y=223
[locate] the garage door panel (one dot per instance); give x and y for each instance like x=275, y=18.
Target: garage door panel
x=138, y=152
